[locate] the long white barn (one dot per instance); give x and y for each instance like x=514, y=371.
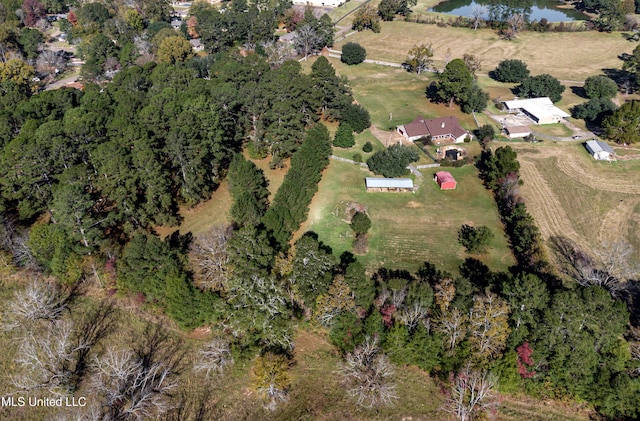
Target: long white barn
x=540, y=110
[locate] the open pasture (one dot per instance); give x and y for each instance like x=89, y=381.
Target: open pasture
x=565, y=55
x=408, y=228
x=571, y=195
x=394, y=96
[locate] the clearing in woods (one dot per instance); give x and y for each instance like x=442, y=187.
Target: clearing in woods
x=572, y=195
x=408, y=228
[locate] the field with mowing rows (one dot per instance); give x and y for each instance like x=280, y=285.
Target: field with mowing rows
x=572, y=195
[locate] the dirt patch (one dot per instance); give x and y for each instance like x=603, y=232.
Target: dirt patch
x=200, y=333
x=414, y=205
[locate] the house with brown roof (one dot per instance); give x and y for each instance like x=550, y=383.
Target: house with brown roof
x=441, y=129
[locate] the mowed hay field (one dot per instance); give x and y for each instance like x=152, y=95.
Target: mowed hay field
x=407, y=228
x=565, y=55
x=572, y=195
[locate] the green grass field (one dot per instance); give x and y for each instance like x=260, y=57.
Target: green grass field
x=408, y=228
x=394, y=96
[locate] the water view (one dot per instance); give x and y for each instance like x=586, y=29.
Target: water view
x=532, y=9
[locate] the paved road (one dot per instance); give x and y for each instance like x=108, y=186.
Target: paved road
x=61, y=83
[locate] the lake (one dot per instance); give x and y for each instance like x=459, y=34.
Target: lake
x=532, y=9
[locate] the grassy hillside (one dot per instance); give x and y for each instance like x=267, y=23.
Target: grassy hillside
x=408, y=228
x=566, y=55
x=603, y=205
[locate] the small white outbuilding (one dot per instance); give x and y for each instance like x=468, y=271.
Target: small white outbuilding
x=600, y=150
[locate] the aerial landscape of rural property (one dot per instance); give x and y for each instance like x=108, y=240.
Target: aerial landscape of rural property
x=320, y=210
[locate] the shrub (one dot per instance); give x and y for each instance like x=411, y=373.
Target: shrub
x=474, y=240
x=367, y=147
x=353, y=53
x=392, y=162
x=485, y=133
x=360, y=223
x=357, y=157
x=511, y=71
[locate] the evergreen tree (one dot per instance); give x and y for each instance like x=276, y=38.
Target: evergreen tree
x=454, y=82
x=344, y=136
x=290, y=205
x=248, y=187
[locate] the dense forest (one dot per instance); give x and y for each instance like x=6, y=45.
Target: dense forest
x=88, y=176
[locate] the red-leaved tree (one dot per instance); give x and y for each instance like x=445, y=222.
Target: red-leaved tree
x=525, y=361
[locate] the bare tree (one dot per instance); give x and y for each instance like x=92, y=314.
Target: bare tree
x=57, y=360
x=209, y=259
x=277, y=53
x=488, y=326
x=610, y=267
x=137, y=384
x=367, y=375
x=22, y=254
x=472, y=393
x=414, y=314
x=50, y=64
x=214, y=357
x=47, y=359
x=516, y=23
x=307, y=40
x=473, y=63
x=40, y=300
x=447, y=56
x=453, y=324
x=477, y=12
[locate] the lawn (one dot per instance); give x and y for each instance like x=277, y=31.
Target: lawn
x=557, y=130
x=408, y=228
x=394, y=96
x=566, y=55
x=361, y=139
x=572, y=195
x=215, y=211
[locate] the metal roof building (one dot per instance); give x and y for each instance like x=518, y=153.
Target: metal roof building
x=388, y=184
x=599, y=150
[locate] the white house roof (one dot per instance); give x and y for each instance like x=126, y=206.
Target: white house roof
x=538, y=107
x=596, y=146
x=389, y=183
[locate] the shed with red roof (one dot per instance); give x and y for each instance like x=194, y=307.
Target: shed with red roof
x=445, y=180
